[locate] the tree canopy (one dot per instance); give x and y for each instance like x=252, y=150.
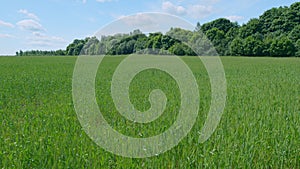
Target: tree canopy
x=275, y=33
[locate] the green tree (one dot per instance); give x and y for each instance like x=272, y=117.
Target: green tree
x=294, y=35
x=297, y=46
x=282, y=47
x=294, y=13
x=180, y=34
x=222, y=24
x=253, y=47
x=217, y=37
x=231, y=34
x=91, y=47
x=178, y=49
x=237, y=47
x=252, y=27
x=198, y=27
x=75, y=47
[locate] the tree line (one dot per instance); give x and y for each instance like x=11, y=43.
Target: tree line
x=59, y=52
x=275, y=33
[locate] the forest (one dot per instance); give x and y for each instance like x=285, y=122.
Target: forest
x=275, y=33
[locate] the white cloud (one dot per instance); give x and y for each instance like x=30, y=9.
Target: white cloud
x=145, y=22
x=140, y=21
x=40, y=39
x=169, y=7
x=28, y=14
x=31, y=25
x=137, y=19
x=92, y=20
x=199, y=11
x=210, y=1
x=84, y=1
x=6, y=36
x=195, y=11
x=234, y=18
x=101, y=1
x=6, y=24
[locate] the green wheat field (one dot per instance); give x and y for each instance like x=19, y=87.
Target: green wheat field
x=260, y=127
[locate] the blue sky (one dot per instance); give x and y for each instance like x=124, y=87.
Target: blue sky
x=53, y=24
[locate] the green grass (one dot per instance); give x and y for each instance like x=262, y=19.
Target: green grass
x=260, y=127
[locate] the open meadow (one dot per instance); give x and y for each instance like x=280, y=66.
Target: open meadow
x=260, y=127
